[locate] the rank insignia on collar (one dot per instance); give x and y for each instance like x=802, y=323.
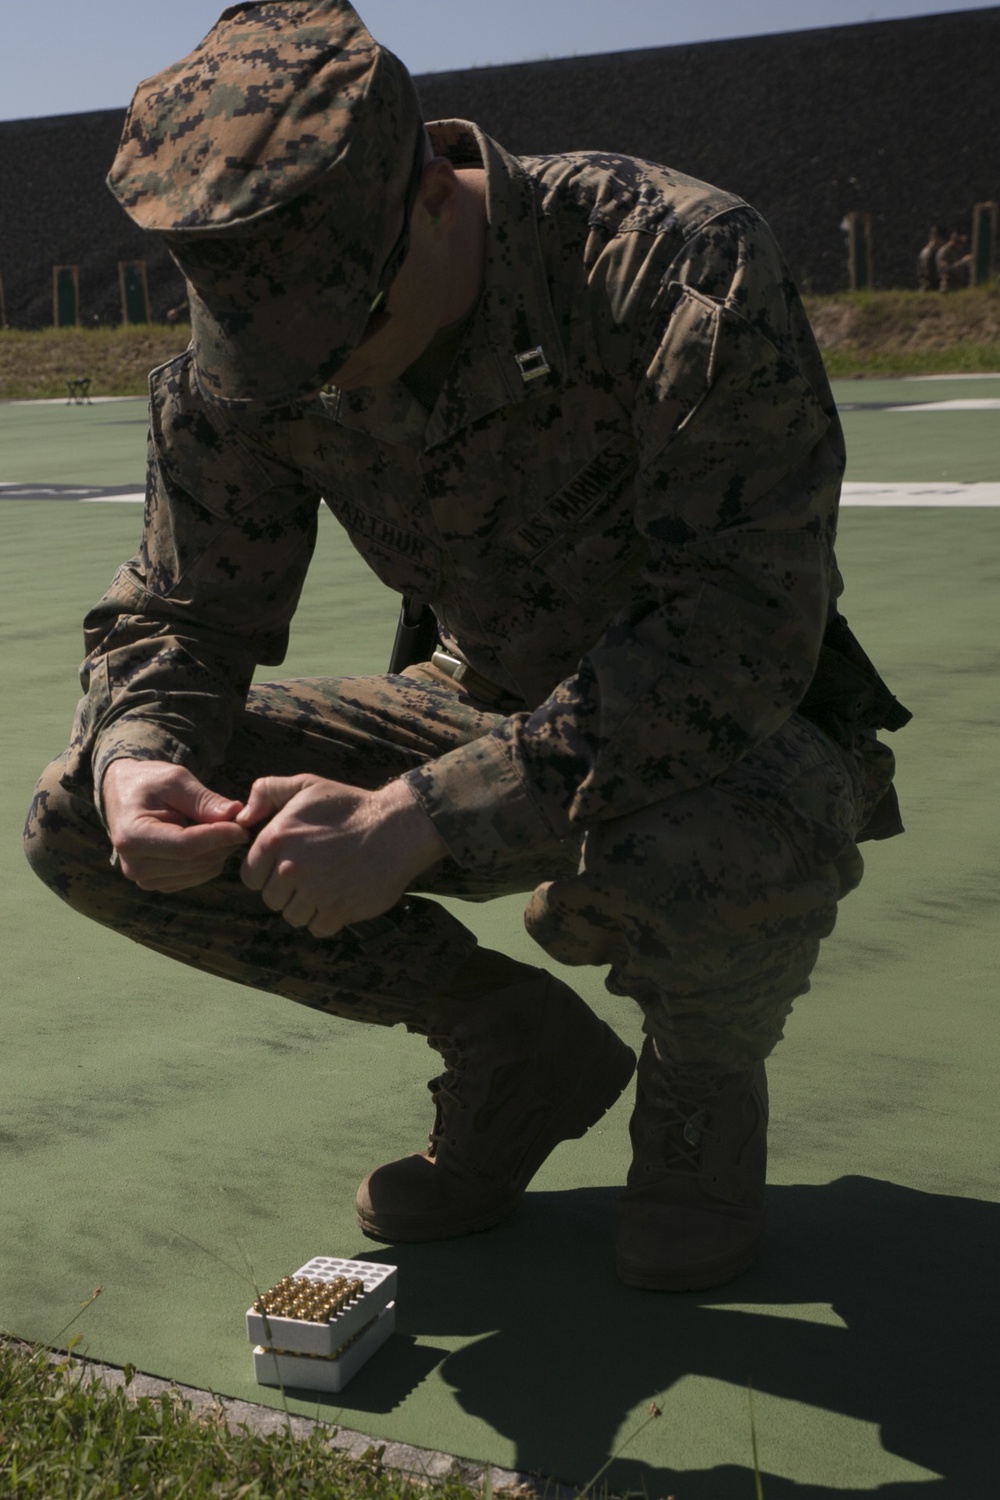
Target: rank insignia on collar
x=532, y=364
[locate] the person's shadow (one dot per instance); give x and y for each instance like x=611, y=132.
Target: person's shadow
x=571, y=1352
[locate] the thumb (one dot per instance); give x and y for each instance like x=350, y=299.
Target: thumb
x=215, y=809
x=190, y=797
x=268, y=795
x=206, y=806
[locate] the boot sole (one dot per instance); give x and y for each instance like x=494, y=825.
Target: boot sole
x=589, y=1103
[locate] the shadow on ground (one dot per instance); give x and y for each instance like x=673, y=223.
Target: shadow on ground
x=567, y=1352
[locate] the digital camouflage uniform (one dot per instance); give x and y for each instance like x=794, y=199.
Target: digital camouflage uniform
x=952, y=263
x=632, y=538
x=622, y=510
x=928, y=279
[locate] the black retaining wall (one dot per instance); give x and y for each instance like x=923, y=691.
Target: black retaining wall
x=897, y=118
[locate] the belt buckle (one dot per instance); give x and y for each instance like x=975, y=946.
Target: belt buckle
x=449, y=665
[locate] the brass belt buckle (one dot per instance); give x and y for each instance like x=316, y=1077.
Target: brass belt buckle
x=467, y=677
x=449, y=665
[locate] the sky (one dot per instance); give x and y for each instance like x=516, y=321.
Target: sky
x=67, y=56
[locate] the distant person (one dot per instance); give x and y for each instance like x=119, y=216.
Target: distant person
x=928, y=279
x=954, y=263
x=179, y=314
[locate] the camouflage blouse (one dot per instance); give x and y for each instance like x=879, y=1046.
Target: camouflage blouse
x=622, y=509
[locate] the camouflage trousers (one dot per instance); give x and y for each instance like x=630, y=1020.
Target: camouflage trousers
x=707, y=908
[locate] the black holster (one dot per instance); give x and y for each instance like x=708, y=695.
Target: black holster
x=416, y=635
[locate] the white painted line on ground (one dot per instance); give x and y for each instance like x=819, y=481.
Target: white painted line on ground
x=984, y=375
x=62, y=401
x=858, y=492
x=853, y=494
x=975, y=403
x=113, y=499
x=11, y=490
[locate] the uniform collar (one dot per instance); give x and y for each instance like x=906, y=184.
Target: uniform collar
x=513, y=350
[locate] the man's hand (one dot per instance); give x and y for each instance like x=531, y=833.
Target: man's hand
x=169, y=831
x=332, y=854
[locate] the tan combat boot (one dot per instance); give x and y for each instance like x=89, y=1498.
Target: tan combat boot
x=692, y=1214
x=525, y=1068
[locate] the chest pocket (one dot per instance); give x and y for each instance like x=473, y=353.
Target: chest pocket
x=584, y=536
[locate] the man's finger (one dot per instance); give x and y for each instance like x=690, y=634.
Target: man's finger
x=211, y=808
x=279, y=888
x=186, y=880
x=258, y=863
x=153, y=865
x=152, y=848
x=300, y=911
x=325, y=926
x=268, y=795
x=153, y=839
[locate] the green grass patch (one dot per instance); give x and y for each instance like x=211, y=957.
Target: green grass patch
x=36, y=365
x=860, y=333
x=964, y=358
x=65, y=1435
x=908, y=333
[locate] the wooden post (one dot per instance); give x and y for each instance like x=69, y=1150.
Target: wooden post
x=134, y=289
x=859, y=251
x=984, y=243
x=66, y=296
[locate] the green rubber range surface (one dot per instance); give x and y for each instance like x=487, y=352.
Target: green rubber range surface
x=173, y=1138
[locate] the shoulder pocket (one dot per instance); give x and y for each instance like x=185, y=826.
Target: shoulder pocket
x=200, y=450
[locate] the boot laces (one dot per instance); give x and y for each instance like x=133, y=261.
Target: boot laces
x=682, y=1120
x=446, y=1087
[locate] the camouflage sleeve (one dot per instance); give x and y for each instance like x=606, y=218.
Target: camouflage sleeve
x=741, y=459
x=171, y=647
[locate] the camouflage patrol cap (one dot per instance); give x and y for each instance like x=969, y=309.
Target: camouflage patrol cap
x=276, y=160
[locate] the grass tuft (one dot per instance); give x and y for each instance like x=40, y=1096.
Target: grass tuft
x=65, y=1435
x=968, y=357
x=758, y=1486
